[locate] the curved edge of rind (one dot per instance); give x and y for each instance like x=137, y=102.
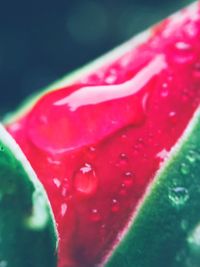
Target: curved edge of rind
x=132, y=246
x=14, y=148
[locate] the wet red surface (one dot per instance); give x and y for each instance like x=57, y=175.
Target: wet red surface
x=96, y=145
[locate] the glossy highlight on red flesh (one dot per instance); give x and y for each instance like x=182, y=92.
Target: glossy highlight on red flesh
x=96, y=145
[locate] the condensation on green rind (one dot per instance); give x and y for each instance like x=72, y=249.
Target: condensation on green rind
x=166, y=228
x=102, y=61
x=27, y=230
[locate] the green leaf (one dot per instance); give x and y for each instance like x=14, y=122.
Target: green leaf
x=166, y=229
x=27, y=229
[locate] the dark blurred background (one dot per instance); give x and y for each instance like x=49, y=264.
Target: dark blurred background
x=41, y=40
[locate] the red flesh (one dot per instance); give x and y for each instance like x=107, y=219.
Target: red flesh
x=96, y=153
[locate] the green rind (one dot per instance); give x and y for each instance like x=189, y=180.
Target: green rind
x=166, y=229
x=27, y=230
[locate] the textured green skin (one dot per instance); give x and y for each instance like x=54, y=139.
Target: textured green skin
x=20, y=245
x=160, y=231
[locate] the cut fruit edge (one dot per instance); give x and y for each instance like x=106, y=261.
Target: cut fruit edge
x=13, y=149
x=107, y=58
x=151, y=214
x=145, y=205
x=170, y=202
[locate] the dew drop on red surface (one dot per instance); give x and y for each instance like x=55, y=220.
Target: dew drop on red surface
x=115, y=206
x=165, y=90
x=128, y=179
x=183, y=53
x=172, y=117
x=95, y=215
x=123, y=190
x=85, y=180
x=63, y=209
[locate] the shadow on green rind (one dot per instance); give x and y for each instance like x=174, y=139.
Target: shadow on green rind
x=27, y=229
x=166, y=229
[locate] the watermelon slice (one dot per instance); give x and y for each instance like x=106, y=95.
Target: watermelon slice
x=116, y=147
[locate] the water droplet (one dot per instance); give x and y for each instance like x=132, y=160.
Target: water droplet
x=185, y=170
x=57, y=182
x=115, y=205
x=165, y=90
x=184, y=53
x=103, y=227
x=140, y=140
x=170, y=78
x=95, y=215
x=112, y=77
x=63, y=209
x=193, y=156
x=123, y=190
x=182, y=46
x=135, y=151
x=128, y=178
x=139, y=144
x=123, y=156
x=164, y=85
x=185, y=95
x=178, y=196
x=65, y=187
x=92, y=149
x=172, y=117
x=85, y=180
x=123, y=136
x=91, y=153
x=123, y=160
